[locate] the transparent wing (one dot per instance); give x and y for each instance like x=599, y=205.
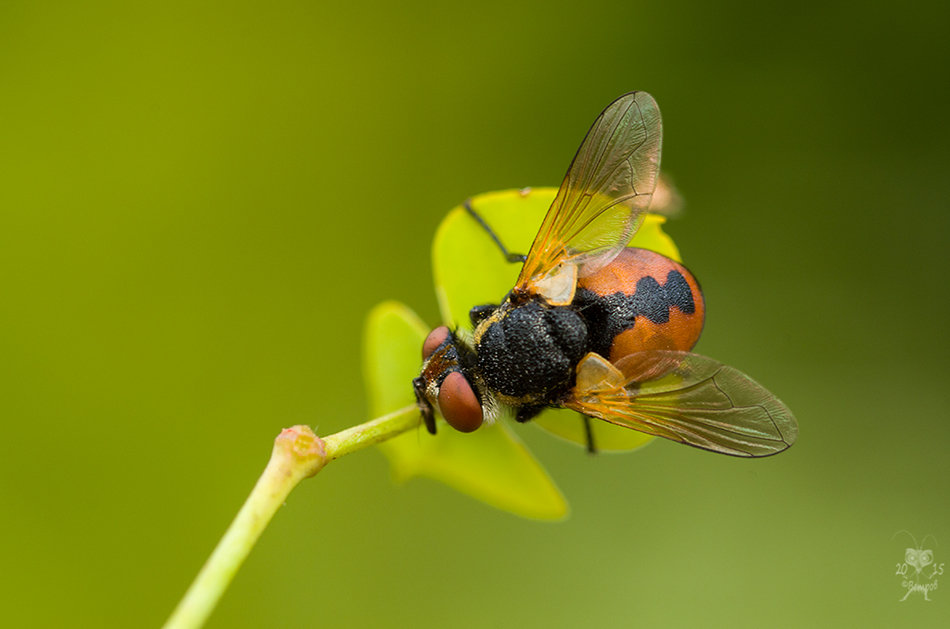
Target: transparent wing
x=687, y=398
x=602, y=199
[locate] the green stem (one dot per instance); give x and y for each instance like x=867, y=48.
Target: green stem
x=298, y=454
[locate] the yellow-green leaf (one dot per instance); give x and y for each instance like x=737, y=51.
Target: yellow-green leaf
x=490, y=464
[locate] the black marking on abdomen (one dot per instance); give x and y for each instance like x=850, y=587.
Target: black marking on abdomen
x=608, y=316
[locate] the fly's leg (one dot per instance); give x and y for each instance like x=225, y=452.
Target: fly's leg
x=428, y=413
x=525, y=413
x=510, y=257
x=589, y=433
x=479, y=313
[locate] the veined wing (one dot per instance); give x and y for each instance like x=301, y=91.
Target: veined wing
x=687, y=398
x=601, y=201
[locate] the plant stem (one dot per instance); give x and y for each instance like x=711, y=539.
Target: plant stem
x=298, y=454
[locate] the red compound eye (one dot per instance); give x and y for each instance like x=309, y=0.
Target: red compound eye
x=458, y=403
x=436, y=337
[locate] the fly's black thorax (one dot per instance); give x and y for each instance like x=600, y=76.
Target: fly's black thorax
x=527, y=353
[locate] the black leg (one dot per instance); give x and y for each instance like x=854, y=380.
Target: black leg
x=479, y=313
x=589, y=432
x=510, y=257
x=428, y=413
x=525, y=413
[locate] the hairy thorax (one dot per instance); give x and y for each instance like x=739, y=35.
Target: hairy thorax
x=527, y=352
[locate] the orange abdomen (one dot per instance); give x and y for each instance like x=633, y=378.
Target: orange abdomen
x=641, y=301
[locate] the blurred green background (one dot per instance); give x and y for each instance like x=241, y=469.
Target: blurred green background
x=200, y=203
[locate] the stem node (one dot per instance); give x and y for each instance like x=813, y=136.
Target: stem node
x=298, y=454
